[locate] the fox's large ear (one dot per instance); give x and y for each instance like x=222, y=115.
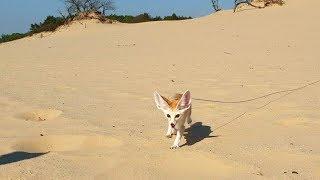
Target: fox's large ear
x=160, y=102
x=185, y=101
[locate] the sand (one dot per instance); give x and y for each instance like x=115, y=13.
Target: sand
x=78, y=104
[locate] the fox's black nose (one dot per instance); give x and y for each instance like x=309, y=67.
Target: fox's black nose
x=172, y=125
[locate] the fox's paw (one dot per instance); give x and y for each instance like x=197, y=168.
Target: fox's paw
x=174, y=147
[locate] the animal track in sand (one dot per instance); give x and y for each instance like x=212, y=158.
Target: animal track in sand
x=41, y=115
x=61, y=143
x=64, y=88
x=7, y=104
x=301, y=121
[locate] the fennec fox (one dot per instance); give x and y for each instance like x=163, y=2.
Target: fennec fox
x=177, y=110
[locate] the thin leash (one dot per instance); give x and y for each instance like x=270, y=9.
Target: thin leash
x=289, y=91
x=260, y=97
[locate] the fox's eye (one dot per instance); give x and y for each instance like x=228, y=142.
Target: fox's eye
x=177, y=116
x=168, y=115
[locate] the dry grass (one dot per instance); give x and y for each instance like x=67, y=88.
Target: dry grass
x=271, y=2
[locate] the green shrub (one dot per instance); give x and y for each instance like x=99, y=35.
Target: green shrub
x=145, y=17
x=51, y=23
x=175, y=17
x=157, y=18
x=11, y=37
x=121, y=18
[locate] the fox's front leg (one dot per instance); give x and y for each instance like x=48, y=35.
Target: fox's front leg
x=170, y=131
x=178, y=138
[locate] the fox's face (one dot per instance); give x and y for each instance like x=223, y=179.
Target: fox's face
x=173, y=109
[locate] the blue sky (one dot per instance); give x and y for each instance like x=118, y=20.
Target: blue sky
x=17, y=15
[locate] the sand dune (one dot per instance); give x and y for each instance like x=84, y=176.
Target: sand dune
x=77, y=103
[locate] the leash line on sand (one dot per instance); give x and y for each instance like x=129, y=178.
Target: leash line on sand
x=260, y=97
x=249, y=111
x=266, y=104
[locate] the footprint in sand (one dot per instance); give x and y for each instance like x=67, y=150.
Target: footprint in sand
x=301, y=121
x=4, y=106
x=61, y=143
x=64, y=88
x=41, y=115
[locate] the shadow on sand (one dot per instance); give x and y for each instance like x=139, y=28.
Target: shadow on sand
x=18, y=156
x=196, y=133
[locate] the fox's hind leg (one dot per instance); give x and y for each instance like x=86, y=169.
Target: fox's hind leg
x=189, y=120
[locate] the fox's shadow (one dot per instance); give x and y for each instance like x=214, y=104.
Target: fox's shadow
x=196, y=133
x=18, y=156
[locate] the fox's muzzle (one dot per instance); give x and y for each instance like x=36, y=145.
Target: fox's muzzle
x=172, y=125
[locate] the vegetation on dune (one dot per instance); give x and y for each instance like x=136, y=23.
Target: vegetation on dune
x=252, y=3
x=271, y=2
x=145, y=17
x=215, y=5
x=75, y=7
x=11, y=37
x=85, y=9
x=51, y=23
